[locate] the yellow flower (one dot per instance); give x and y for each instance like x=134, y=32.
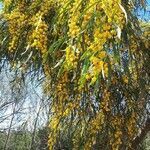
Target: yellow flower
x=102, y=54
x=93, y=80
x=87, y=76
x=125, y=79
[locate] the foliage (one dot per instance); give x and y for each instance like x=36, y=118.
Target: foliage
x=94, y=55
x=19, y=140
x=43, y=138
x=146, y=143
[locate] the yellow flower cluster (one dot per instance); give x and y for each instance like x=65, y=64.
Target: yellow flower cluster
x=116, y=136
x=133, y=45
x=131, y=125
x=117, y=142
x=19, y=19
x=88, y=13
x=98, y=66
x=125, y=79
x=58, y=109
x=74, y=19
x=7, y=3
x=71, y=58
x=97, y=46
x=105, y=104
x=95, y=125
x=16, y=21
x=116, y=15
x=146, y=38
x=38, y=37
x=54, y=125
x=46, y=6
x=100, y=37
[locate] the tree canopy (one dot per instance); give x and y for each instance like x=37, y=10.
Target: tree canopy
x=94, y=56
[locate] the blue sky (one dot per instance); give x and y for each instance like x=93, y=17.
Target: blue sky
x=145, y=15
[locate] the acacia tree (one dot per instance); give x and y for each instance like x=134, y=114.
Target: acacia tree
x=94, y=55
